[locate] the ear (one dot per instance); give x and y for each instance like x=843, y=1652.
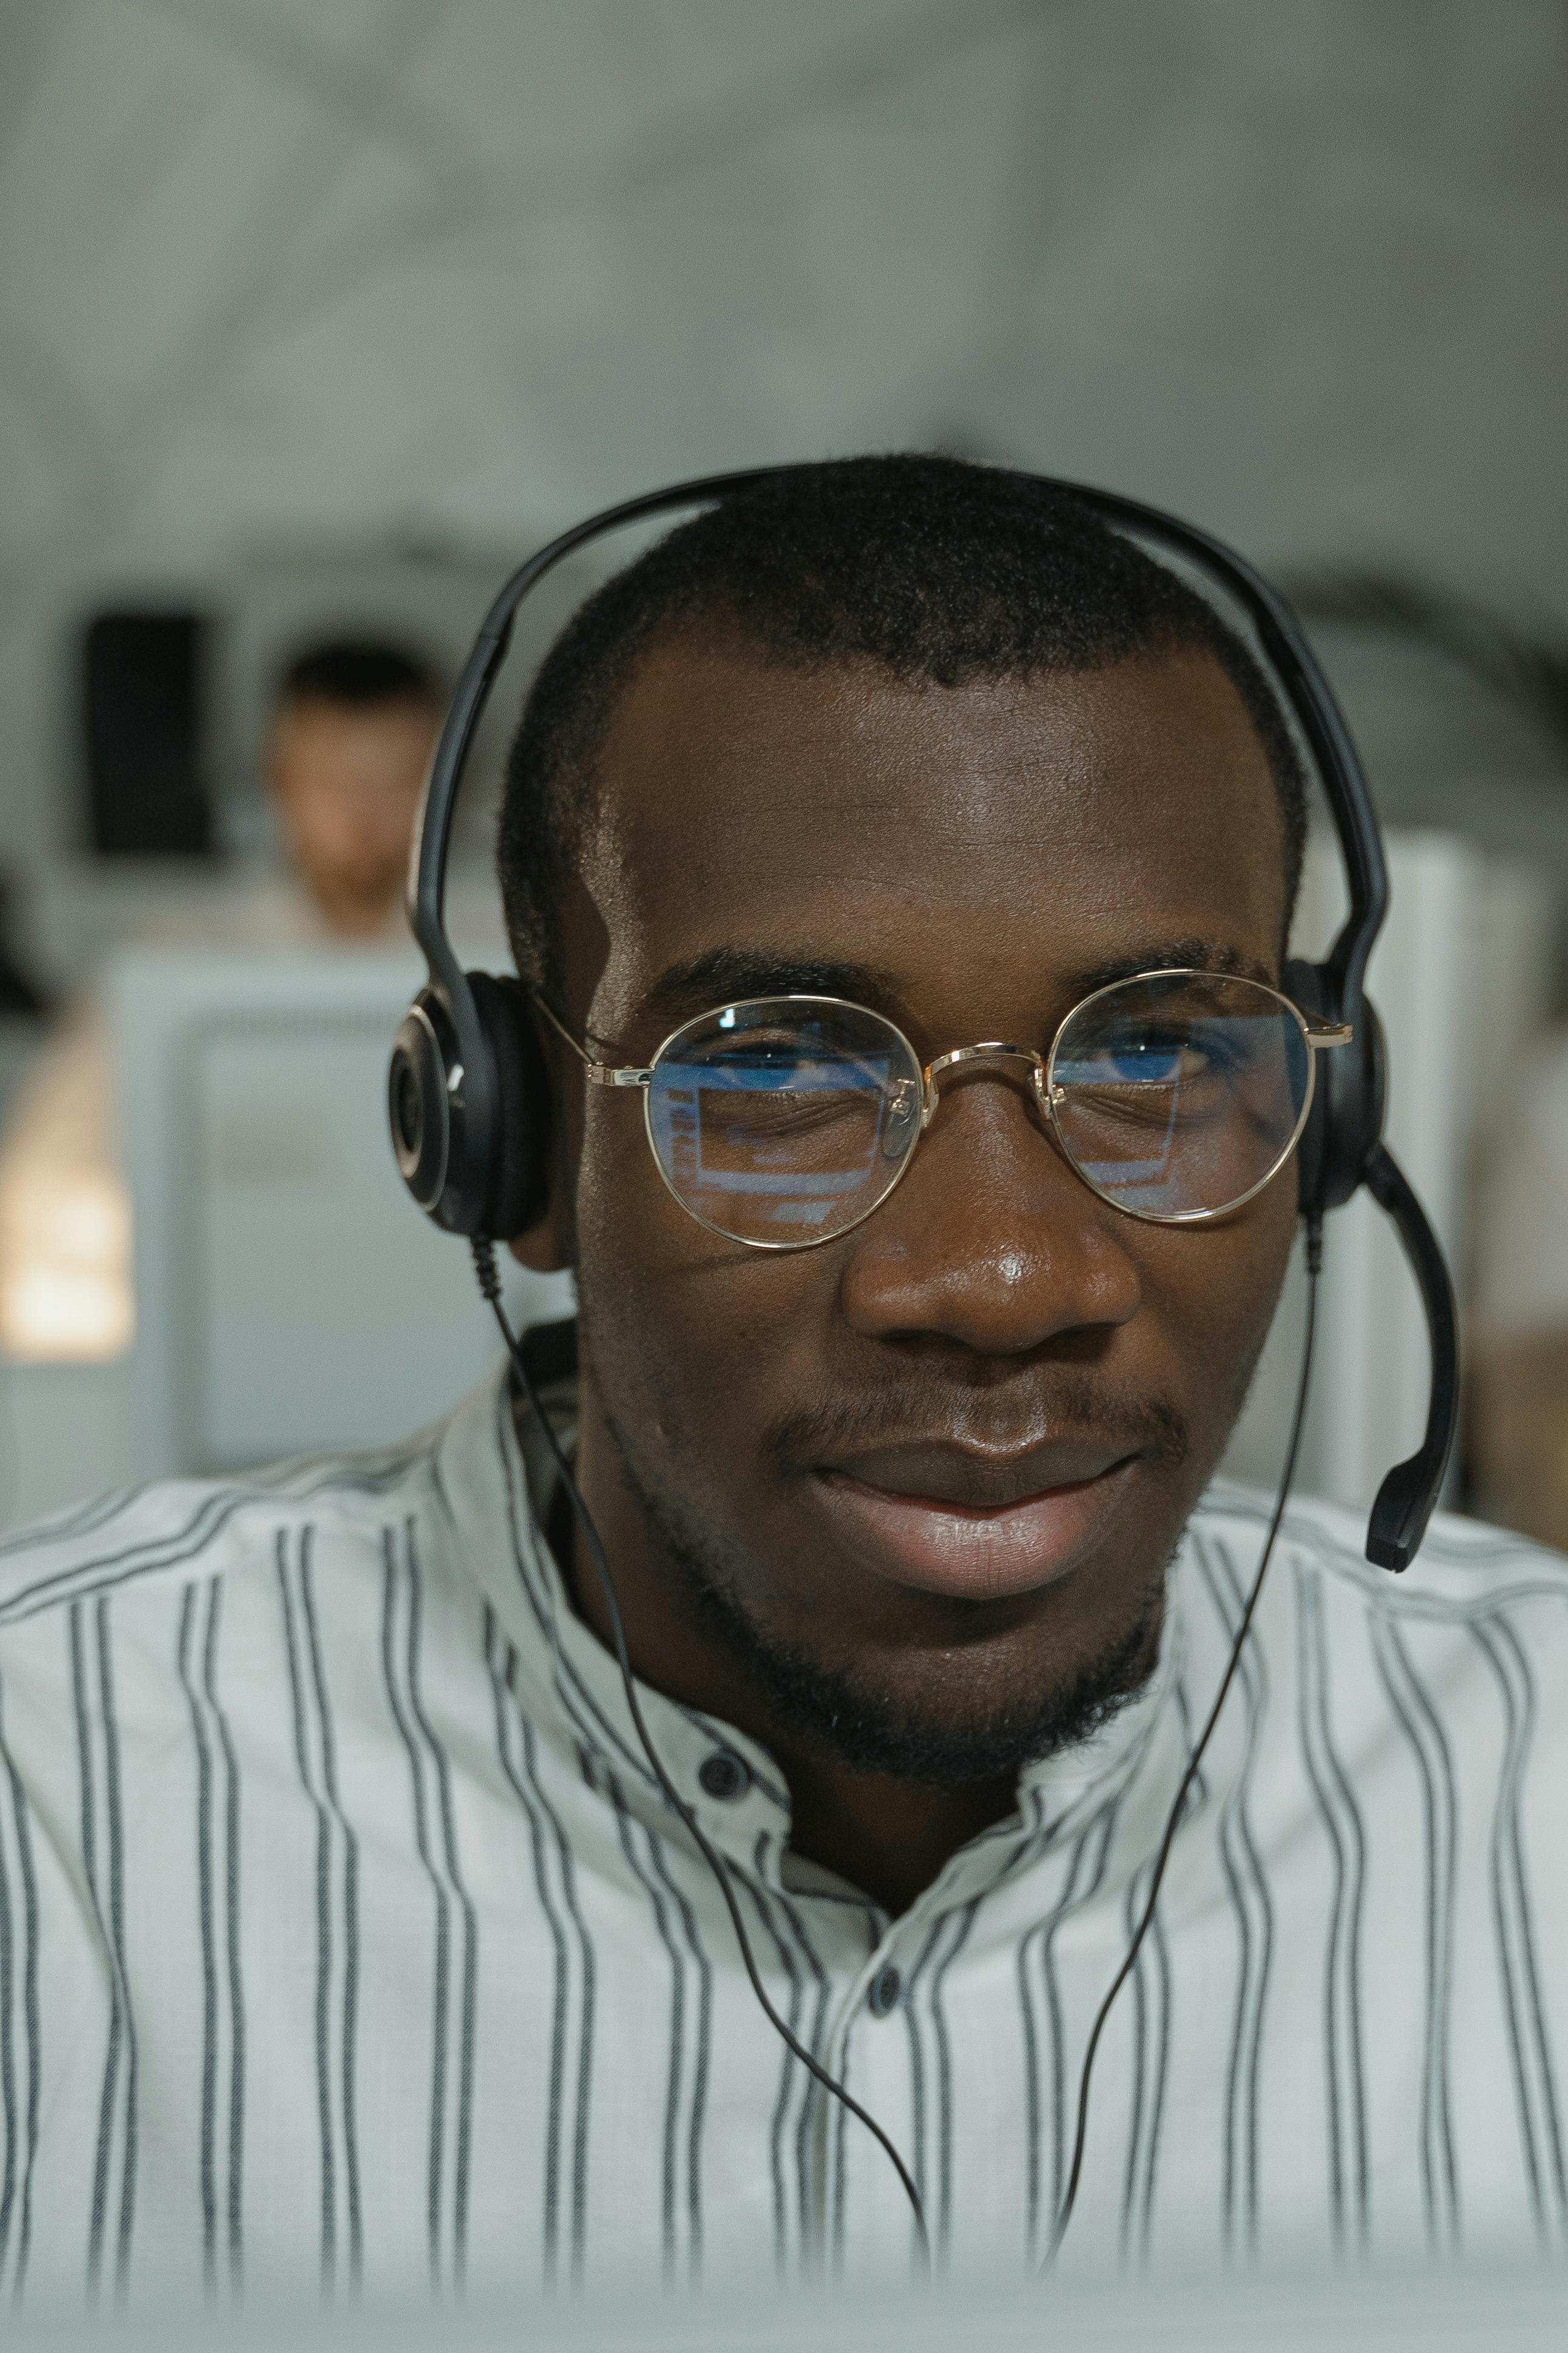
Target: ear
x=543, y=1248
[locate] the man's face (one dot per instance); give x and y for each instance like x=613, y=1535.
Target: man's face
x=346, y=781
x=939, y=1463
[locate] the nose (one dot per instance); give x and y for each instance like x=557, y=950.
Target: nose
x=990, y=1240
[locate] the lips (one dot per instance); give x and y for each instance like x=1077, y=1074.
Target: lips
x=948, y=1520
x=979, y=1481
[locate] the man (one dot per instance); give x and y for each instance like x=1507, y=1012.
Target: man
x=349, y=1935
x=350, y=741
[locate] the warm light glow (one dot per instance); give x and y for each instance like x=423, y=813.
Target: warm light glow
x=65, y=1268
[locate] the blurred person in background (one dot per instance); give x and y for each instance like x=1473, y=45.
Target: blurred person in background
x=350, y=738
x=354, y=723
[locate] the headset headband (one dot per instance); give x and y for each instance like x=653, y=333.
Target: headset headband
x=1308, y=696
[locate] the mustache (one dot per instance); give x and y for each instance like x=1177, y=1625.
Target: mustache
x=1067, y=1405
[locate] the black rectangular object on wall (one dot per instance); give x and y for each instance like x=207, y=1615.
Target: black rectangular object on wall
x=143, y=715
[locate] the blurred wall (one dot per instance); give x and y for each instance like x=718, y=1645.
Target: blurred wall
x=444, y=271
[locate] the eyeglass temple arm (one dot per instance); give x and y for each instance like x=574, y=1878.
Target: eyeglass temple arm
x=1409, y=1495
x=601, y=1074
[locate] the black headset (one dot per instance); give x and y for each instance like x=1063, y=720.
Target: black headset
x=468, y=1090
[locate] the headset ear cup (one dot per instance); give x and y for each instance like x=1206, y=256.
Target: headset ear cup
x=426, y=1139
x=471, y=1131
x=517, y=1186
x=1346, y=1117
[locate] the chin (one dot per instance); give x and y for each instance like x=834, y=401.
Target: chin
x=951, y=1722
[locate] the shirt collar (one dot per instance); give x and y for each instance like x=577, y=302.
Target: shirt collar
x=494, y=1492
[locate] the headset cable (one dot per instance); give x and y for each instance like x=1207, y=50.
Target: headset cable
x=490, y=1285
x=1314, y=1262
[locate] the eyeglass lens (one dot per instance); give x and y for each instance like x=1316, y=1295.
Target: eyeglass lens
x=783, y=1122
x=1179, y=1095
x=788, y=1121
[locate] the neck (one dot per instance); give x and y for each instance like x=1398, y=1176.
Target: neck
x=354, y=915
x=888, y=1838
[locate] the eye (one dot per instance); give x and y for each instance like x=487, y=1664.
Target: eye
x=1143, y=1059
x=755, y=1054
x=1153, y=1058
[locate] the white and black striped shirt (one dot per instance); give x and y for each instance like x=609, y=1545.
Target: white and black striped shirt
x=345, y=1941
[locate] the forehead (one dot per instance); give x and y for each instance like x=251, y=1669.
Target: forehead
x=317, y=734
x=988, y=841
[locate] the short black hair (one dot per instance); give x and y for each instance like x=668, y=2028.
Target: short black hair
x=936, y=568
x=358, y=673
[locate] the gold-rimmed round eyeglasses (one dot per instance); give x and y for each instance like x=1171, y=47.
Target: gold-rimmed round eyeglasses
x=783, y=1122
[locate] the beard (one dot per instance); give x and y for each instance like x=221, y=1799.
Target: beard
x=842, y=1712
x=871, y=1731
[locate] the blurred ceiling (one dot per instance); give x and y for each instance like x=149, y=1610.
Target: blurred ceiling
x=453, y=267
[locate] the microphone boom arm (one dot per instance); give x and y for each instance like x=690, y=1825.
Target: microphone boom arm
x=1409, y=1495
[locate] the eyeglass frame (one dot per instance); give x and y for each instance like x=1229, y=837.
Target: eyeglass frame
x=1315, y=1036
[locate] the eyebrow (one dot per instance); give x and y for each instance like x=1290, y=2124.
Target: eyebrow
x=1192, y=954
x=730, y=973
x=723, y=975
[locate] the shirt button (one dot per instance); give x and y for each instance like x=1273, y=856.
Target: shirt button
x=886, y=1988
x=724, y=1774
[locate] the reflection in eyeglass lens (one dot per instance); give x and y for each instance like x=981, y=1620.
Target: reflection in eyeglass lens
x=786, y=1125
x=1181, y=1095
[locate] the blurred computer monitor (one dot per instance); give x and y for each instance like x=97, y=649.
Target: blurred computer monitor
x=288, y=1297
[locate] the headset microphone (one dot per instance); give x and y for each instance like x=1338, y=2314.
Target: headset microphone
x=469, y=1098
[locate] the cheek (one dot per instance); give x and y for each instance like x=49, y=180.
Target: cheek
x=701, y=1329
x=325, y=828
x=1215, y=1291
